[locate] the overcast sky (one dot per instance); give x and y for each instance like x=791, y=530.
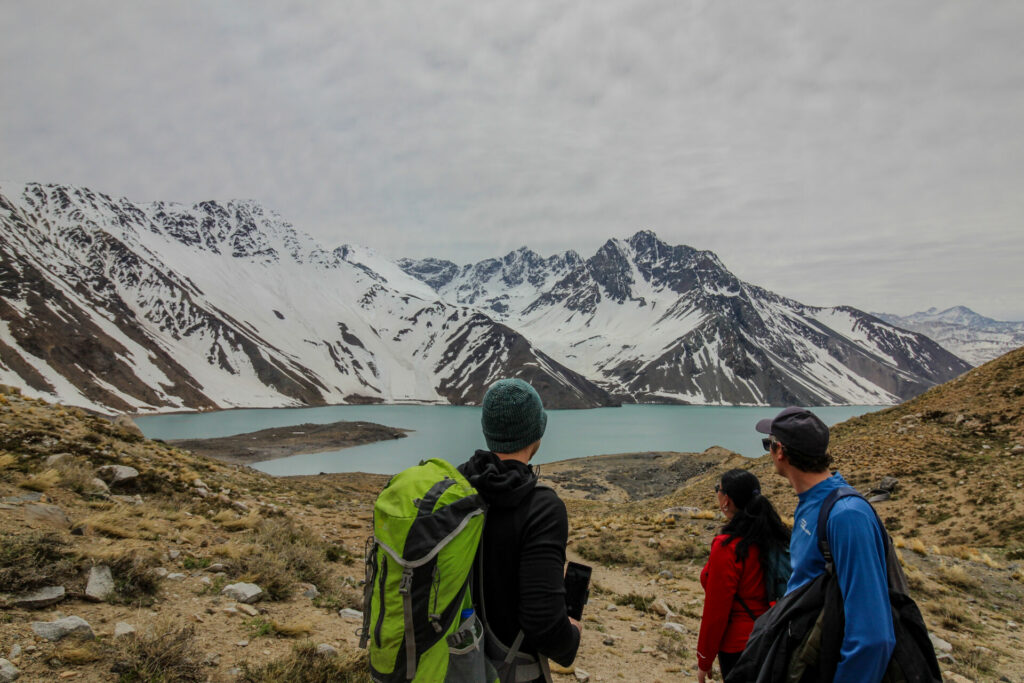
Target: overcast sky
x=868, y=153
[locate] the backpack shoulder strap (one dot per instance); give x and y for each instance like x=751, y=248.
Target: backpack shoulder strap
x=826, y=510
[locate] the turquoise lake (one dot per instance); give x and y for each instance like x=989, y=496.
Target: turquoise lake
x=453, y=433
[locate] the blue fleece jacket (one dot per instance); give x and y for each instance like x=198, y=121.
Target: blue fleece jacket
x=857, y=542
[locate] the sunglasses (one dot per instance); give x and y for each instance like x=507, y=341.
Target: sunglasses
x=766, y=443
x=718, y=488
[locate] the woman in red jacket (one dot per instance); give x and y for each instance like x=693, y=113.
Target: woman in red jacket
x=734, y=579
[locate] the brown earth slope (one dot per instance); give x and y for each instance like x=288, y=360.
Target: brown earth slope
x=186, y=526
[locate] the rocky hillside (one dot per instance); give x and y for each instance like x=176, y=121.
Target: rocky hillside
x=123, y=558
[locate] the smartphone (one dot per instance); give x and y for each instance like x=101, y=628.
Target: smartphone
x=577, y=589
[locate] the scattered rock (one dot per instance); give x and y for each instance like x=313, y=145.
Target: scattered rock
x=582, y=676
x=672, y=626
x=325, y=650
x=661, y=608
x=40, y=599
x=127, y=424
x=609, y=641
x=244, y=592
x=242, y=643
x=1019, y=448
x=58, y=459
x=55, y=630
x=47, y=514
x=247, y=609
x=309, y=590
x=8, y=672
x=101, y=583
x=176, y=576
x=611, y=607
x=951, y=677
x=666, y=574
x=350, y=614
x=15, y=651
x=173, y=554
x=117, y=475
x=680, y=513
x=940, y=644
x=217, y=567
x=240, y=506
x=99, y=486
x=160, y=572
x=123, y=629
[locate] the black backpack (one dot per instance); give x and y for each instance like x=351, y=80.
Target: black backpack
x=799, y=638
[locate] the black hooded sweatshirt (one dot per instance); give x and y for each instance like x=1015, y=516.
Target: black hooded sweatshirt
x=523, y=550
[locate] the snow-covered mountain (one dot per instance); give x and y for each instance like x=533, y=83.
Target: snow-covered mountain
x=971, y=336
x=660, y=323
x=112, y=305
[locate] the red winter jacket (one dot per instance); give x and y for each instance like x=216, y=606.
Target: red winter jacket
x=725, y=625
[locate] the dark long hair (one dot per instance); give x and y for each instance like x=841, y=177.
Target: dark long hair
x=756, y=522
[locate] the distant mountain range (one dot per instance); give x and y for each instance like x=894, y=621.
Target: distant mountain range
x=119, y=306
x=970, y=336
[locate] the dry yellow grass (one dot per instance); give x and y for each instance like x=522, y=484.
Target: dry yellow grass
x=918, y=546
x=250, y=521
x=234, y=550
x=43, y=481
x=6, y=460
x=292, y=629
x=955, y=575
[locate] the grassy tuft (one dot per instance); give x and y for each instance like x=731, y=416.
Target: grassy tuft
x=163, y=653
x=258, y=627
x=33, y=560
x=304, y=665
x=955, y=575
x=608, y=550
x=641, y=603
x=42, y=481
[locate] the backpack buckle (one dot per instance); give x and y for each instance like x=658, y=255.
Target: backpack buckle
x=406, y=584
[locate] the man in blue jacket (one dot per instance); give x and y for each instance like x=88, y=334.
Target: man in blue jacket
x=798, y=444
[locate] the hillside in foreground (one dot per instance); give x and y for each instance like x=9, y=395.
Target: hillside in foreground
x=183, y=528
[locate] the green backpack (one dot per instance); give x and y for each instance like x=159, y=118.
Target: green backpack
x=418, y=616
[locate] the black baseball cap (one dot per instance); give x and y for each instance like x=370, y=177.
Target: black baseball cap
x=799, y=429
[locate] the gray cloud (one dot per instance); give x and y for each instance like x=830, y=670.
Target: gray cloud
x=868, y=154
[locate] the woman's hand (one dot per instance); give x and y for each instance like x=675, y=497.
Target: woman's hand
x=578, y=625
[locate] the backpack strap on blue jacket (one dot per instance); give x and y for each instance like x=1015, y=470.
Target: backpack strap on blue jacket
x=826, y=508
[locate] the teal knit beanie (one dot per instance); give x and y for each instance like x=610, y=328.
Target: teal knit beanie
x=513, y=416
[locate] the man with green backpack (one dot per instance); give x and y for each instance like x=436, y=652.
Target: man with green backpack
x=451, y=598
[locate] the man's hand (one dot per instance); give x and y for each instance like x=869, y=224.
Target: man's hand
x=578, y=625
x=703, y=676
